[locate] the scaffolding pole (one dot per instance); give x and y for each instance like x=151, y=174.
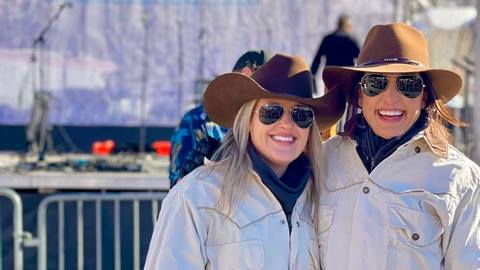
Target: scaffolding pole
x=476, y=96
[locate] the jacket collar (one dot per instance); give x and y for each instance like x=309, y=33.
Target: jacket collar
x=340, y=149
x=342, y=154
x=438, y=148
x=258, y=202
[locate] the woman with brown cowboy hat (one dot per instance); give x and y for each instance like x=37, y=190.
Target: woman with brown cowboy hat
x=253, y=207
x=398, y=195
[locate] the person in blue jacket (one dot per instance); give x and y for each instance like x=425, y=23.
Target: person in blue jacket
x=196, y=136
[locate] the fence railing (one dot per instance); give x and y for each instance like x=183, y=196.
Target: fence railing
x=86, y=217
x=98, y=200
x=17, y=221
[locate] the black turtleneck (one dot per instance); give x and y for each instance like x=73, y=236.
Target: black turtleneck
x=373, y=149
x=290, y=185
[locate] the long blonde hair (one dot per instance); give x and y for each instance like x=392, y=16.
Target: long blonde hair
x=233, y=161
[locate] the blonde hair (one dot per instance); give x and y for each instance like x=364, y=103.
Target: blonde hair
x=233, y=161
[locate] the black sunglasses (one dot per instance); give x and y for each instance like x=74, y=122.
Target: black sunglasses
x=410, y=86
x=303, y=116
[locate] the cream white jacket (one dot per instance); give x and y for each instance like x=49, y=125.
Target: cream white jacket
x=415, y=210
x=192, y=232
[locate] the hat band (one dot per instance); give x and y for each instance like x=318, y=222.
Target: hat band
x=398, y=60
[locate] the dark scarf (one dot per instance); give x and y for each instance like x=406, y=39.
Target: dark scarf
x=290, y=185
x=373, y=149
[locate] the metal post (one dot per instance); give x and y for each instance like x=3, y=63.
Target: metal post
x=98, y=233
x=476, y=98
x=17, y=226
x=61, y=236
x=80, y=235
x=136, y=235
x=144, y=85
x=180, y=70
x=397, y=12
x=116, y=233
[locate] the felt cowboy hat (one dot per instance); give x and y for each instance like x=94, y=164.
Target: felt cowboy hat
x=282, y=77
x=395, y=48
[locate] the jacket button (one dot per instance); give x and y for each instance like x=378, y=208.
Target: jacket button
x=415, y=236
x=366, y=190
x=282, y=221
x=417, y=149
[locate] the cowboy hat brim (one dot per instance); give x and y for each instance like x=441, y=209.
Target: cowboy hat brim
x=226, y=94
x=446, y=83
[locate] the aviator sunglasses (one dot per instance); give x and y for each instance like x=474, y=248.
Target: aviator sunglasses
x=410, y=86
x=303, y=116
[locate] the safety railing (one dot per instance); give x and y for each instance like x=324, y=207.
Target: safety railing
x=18, y=234
x=98, y=201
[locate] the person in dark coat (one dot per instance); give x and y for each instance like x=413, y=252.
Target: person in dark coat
x=339, y=48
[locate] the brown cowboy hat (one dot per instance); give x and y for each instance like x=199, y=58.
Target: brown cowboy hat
x=283, y=77
x=395, y=48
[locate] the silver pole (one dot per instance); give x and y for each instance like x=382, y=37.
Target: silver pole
x=144, y=86
x=117, y=242
x=397, y=12
x=476, y=97
x=61, y=235
x=80, y=235
x=136, y=235
x=17, y=226
x=98, y=233
x=180, y=71
x=154, y=211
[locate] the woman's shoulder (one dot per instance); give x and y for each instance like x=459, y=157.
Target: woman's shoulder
x=338, y=142
x=463, y=165
x=200, y=186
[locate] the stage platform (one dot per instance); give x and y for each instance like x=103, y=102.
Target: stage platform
x=84, y=172
x=80, y=175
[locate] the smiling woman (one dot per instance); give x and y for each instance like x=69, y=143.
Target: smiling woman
x=391, y=108
x=398, y=195
x=252, y=207
x=277, y=136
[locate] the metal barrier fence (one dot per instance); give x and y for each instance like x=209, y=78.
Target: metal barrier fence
x=23, y=239
x=80, y=200
x=17, y=221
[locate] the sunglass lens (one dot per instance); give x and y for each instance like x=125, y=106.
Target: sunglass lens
x=269, y=114
x=374, y=84
x=302, y=116
x=410, y=86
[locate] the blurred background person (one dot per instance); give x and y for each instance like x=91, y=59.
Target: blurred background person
x=339, y=48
